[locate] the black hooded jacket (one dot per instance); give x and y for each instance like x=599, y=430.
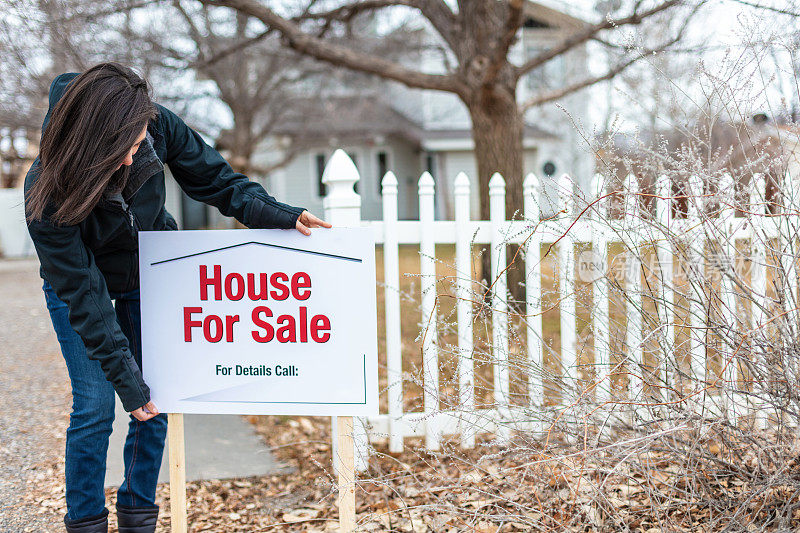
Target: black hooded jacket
x=83, y=262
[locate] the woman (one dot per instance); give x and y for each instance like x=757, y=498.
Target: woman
x=98, y=180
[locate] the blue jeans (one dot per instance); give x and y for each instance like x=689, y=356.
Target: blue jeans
x=92, y=416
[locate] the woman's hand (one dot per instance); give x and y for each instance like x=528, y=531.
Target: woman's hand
x=306, y=220
x=145, y=412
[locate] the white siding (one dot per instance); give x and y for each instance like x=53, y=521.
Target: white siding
x=173, y=200
x=14, y=238
x=407, y=168
x=451, y=163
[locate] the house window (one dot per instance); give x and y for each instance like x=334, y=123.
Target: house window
x=531, y=22
x=383, y=167
x=321, y=188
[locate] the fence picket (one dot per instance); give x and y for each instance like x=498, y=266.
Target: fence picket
x=633, y=284
x=430, y=352
x=391, y=277
x=600, y=294
x=696, y=262
x=727, y=263
x=497, y=217
x=566, y=283
x=758, y=276
x=787, y=247
x=666, y=285
x=466, y=378
x=533, y=292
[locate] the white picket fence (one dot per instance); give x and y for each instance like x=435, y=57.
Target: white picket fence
x=585, y=224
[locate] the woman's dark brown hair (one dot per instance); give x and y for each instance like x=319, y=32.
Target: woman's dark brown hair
x=91, y=130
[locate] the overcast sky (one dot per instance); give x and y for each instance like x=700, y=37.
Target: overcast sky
x=729, y=65
x=746, y=60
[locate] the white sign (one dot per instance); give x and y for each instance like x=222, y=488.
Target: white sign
x=260, y=321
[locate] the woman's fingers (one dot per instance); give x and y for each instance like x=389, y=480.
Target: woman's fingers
x=306, y=220
x=146, y=412
x=302, y=228
x=318, y=222
x=140, y=415
x=150, y=406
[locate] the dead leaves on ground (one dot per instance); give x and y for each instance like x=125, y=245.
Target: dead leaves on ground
x=489, y=489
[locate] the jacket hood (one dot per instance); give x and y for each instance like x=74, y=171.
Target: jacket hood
x=57, y=89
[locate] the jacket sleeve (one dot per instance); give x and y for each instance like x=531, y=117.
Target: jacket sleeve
x=205, y=176
x=71, y=270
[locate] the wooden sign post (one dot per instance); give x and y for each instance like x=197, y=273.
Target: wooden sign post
x=346, y=469
x=177, y=473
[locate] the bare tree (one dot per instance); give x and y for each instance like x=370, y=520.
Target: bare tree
x=257, y=83
x=479, y=35
x=38, y=39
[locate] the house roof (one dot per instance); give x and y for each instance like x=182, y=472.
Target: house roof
x=555, y=14
x=349, y=117
x=355, y=118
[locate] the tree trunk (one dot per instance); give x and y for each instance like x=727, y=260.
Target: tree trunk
x=241, y=152
x=240, y=159
x=497, y=132
x=497, y=129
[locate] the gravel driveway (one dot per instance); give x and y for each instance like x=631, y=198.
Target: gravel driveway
x=34, y=405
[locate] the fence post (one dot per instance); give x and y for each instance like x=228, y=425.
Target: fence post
x=759, y=242
x=600, y=294
x=566, y=285
x=430, y=335
x=633, y=285
x=466, y=383
x=727, y=265
x=788, y=246
x=497, y=217
x=696, y=269
x=667, y=283
x=342, y=208
x=533, y=296
x=391, y=278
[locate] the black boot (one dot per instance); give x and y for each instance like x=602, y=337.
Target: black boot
x=136, y=519
x=93, y=524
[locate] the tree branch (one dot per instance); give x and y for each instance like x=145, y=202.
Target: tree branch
x=780, y=11
x=342, y=13
x=346, y=12
x=114, y=10
x=577, y=86
x=588, y=33
x=499, y=58
x=441, y=18
x=338, y=54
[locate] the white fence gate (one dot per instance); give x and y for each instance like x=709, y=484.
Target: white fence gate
x=591, y=225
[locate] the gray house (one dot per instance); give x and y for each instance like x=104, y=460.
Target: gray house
x=388, y=126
